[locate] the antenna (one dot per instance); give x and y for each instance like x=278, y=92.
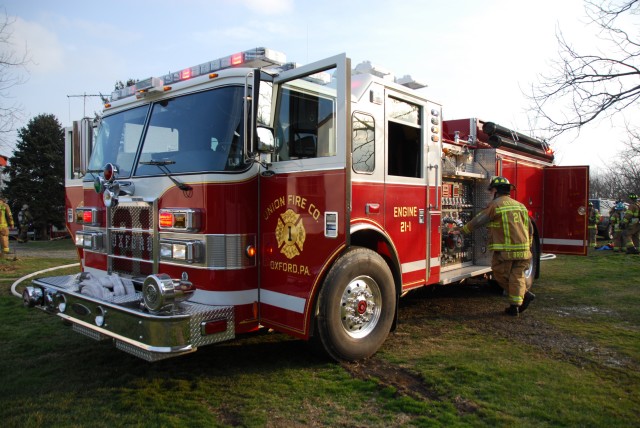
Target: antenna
x=84, y=102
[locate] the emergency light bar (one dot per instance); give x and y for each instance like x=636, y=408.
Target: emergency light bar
x=254, y=58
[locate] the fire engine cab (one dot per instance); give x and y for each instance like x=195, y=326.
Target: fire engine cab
x=248, y=192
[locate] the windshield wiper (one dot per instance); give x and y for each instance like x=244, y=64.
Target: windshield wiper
x=162, y=166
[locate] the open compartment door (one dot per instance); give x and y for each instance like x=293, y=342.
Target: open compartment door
x=565, y=199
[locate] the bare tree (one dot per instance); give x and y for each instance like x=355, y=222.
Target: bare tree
x=11, y=63
x=597, y=84
x=622, y=176
x=603, y=184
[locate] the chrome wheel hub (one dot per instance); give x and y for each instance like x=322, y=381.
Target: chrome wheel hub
x=361, y=305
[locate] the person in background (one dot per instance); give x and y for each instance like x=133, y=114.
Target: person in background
x=24, y=222
x=615, y=220
x=510, y=239
x=631, y=225
x=594, y=219
x=6, y=222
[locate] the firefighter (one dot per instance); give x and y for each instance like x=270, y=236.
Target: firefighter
x=594, y=219
x=6, y=223
x=510, y=239
x=631, y=225
x=24, y=222
x=615, y=220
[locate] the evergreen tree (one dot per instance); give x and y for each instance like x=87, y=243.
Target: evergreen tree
x=36, y=173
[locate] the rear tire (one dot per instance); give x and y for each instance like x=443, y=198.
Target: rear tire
x=356, y=305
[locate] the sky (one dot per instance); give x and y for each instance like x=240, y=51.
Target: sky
x=478, y=57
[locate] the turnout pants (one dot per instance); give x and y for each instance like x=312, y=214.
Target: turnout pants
x=631, y=234
x=618, y=241
x=593, y=236
x=4, y=239
x=510, y=276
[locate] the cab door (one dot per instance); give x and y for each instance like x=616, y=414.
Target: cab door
x=303, y=195
x=566, y=191
x=406, y=191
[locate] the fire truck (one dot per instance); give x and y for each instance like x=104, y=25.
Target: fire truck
x=248, y=192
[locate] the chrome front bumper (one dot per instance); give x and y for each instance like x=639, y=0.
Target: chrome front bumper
x=149, y=336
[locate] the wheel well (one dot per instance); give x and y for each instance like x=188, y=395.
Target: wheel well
x=379, y=243
x=376, y=242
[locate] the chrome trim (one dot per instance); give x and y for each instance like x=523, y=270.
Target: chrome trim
x=146, y=335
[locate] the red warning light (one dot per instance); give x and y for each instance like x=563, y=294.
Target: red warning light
x=108, y=172
x=87, y=217
x=166, y=219
x=185, y=74
x=237, y=59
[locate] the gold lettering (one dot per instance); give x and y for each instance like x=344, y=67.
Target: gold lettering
x=314, y=212
x=296, y=201
x=273, y=206
x=405, y=211
x=290, y=268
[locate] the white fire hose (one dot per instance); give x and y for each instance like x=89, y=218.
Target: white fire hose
x=15, y=284
x=544, y=257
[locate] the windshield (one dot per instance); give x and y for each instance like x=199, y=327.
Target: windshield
x=193, y=133
x=196, y=132
x=117, y=140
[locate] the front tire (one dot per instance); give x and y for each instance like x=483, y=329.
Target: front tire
x=356, y=305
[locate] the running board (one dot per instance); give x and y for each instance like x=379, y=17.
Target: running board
x=456, y=275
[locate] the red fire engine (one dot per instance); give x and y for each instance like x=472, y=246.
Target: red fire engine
x=246, y=192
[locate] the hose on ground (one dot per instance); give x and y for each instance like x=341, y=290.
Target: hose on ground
x=19, y=280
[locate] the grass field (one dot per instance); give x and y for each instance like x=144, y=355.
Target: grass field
x=572, y=360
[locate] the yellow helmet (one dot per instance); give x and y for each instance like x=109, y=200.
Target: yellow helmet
x=501, y=184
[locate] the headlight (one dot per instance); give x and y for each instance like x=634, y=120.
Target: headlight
x=185, y=251
x=89, y=240
x=180, y=251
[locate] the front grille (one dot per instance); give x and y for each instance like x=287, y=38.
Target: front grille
x=132, y=238
x=134, y=243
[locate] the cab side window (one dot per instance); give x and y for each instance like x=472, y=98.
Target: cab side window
x=305, y=125
x=404, y=137
x=363, y=143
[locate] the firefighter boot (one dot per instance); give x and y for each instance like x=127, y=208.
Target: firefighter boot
x=512, y=310
x=528, y=298
x=632, y=250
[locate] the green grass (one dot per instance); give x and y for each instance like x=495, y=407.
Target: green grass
x=572, y=360
x=11, y=269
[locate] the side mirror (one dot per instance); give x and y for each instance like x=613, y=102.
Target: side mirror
x=266, y=141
